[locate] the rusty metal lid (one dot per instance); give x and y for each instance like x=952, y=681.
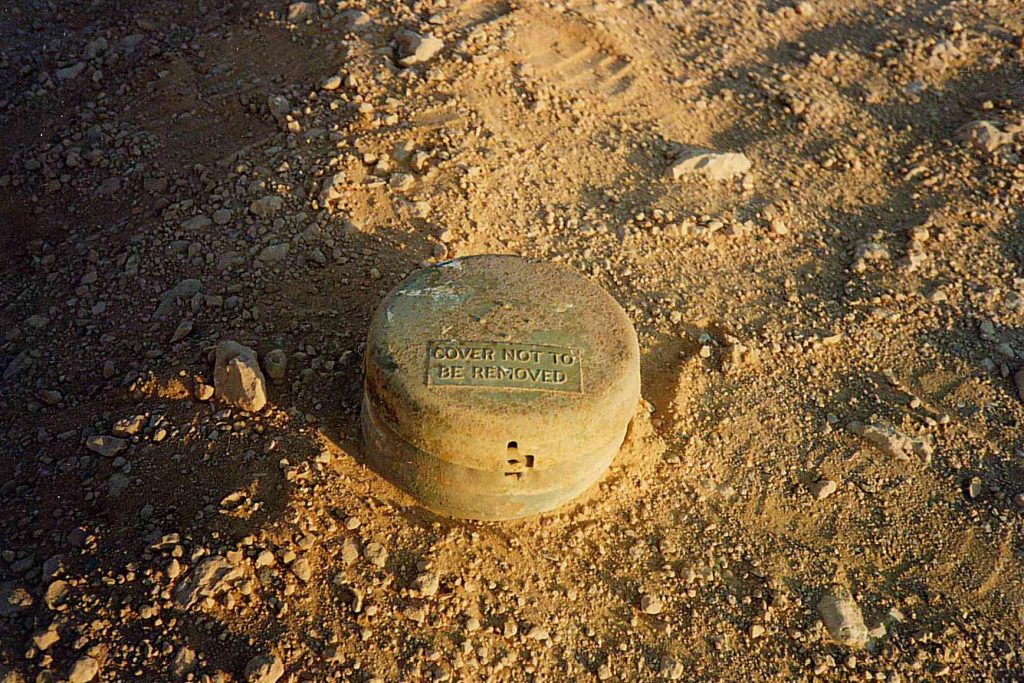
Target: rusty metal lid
x=504, y=365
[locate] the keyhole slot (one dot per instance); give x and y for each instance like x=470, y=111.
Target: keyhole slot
x=517, y=463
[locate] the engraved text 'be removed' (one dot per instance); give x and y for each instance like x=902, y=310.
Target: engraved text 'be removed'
x=503, y=364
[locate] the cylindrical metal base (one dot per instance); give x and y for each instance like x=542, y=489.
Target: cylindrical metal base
x=497, y=387
x=469, y=493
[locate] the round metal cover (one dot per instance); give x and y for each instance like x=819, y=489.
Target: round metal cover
x=497, y=386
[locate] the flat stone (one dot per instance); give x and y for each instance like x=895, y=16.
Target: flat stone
x=183, y=329
x=69, y=72
x=273, y=253
x=267, y=206
x=83, y=670
x=196, y=223
x=130, y=426
x=118, y=484
x=105, y=445
x=714, y=165
x=279, y=107
x=45, y=638
x=184, y=289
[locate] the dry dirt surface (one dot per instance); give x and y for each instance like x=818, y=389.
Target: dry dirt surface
x=813, y=212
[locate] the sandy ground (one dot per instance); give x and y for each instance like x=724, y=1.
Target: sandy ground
x=830, y=326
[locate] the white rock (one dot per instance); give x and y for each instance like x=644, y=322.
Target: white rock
x=714, y=165
x=868, y=252
x=983, y=135
x=823, y=488
x=212, y=576
x=651, y=604
x=893, y=442
x=416, y=48
x=237, y=377
x=301, y=10
x=349, y=551
x=426, y=584
x=538, y=632
x=265, y=559
x=376, y=553
x=842, y=617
